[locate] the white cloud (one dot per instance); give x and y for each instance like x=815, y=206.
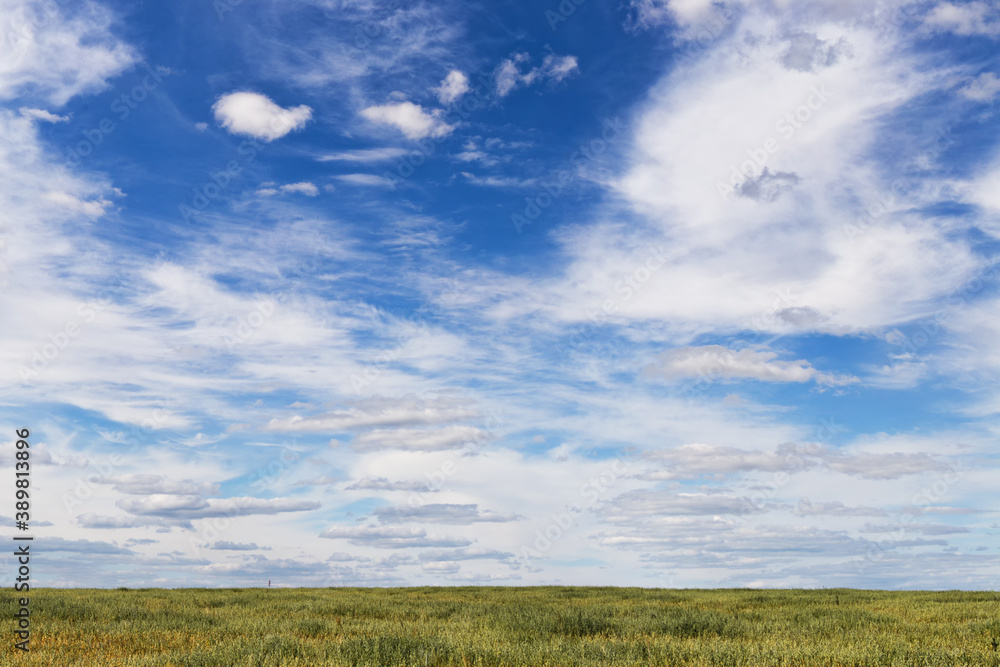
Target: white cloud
x=410, y=119
x=558, y=67
x=42, y=114
x=57, y=53
x=442, y=513
x=425, y=440
x=684, y=12
x=91, y=209
x=452, y=87
x=499, y=181
x=718, y=362
x=983, y=88
x=195, y=507
x=364, y=155
x=146, y=484
x=392, y=537
x=972, y=18
x=367, y=180
x=258, y=116
x=508, y=75
x=381, y=411
x=306, y=188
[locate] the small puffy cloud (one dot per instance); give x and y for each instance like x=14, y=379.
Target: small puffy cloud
x=720, y=362
x=304, y=188
x=558, y=67
x=410, y=119
x=972, y=18
x=258, y=116
x=392, y=537
x=508, y=75
x=983, y=88
x=454, y=86
x=442, y=513
x=201, y=127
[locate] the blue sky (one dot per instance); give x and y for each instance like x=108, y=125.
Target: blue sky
x=654, y=293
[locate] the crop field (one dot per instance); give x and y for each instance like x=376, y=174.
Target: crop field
x=505, y=626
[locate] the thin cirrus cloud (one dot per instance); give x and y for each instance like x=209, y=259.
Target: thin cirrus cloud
x=256, y=115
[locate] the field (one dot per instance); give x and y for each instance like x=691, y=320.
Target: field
x=505, y=626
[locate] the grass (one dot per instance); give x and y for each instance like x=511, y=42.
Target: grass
x=506, y=626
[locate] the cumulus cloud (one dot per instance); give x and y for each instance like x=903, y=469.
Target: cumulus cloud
x=410, y=119
x=452, y=87
x=718, y=362
x=256, y=115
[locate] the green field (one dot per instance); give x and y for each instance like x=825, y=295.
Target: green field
x=506, y=626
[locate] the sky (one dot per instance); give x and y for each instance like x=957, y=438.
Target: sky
x=660, y=293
